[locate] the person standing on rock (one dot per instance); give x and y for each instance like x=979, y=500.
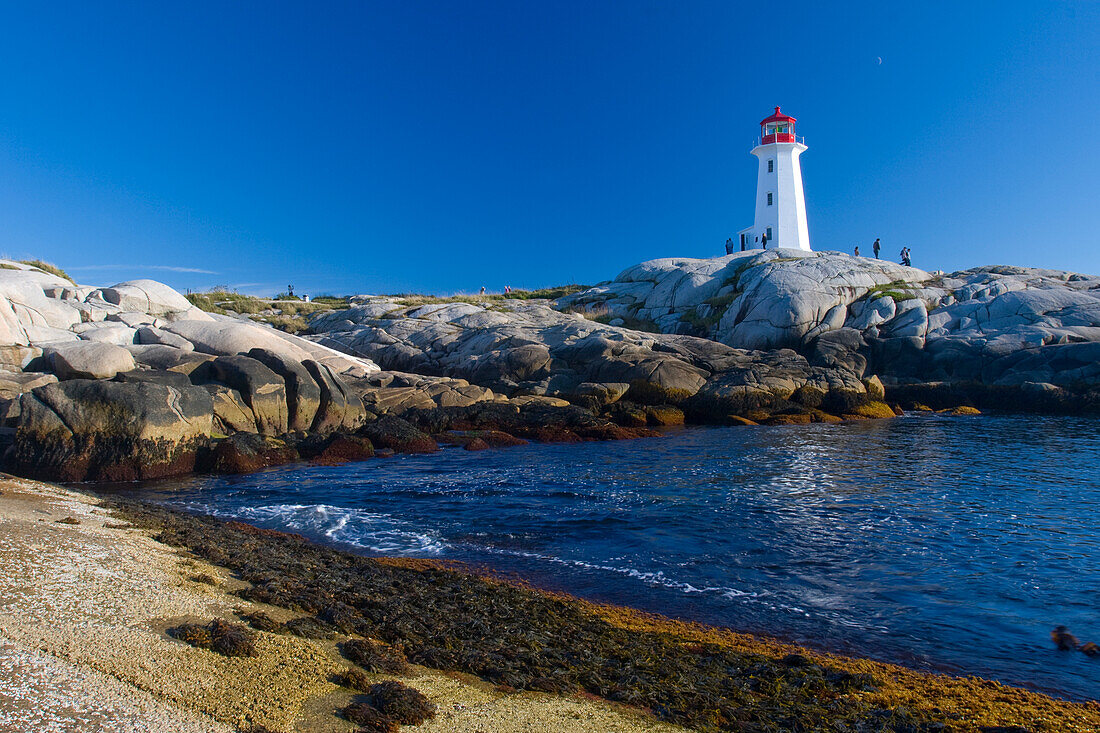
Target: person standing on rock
x=876, y=247
x=483, y=290
x=729, y=245
x=855, y=253
x=764, y=240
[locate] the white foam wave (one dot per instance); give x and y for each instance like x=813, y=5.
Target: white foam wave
x=657, y=578
x=371, y=531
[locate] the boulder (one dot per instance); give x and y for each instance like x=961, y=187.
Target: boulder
x=398, y=435
x=334, y=449
x=144, y=296
x=230, y=338
x=167, y=378
x=88, y=360
x=339, y=408
x=262, y=390
x=15, y=357
x=231, y=413
x=134, y=320
x=248, y=453
x=158, y=356
x=303, y=396
x=25, y=296
x=11, y=329
x=43, y=336
x=99, y=430
x=149, y=335
x=13, y=384
x=117, y=335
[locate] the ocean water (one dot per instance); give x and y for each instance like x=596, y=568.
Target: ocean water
x=953, y=544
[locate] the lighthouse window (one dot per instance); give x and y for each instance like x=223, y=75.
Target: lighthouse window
x=771, y=166
x=769, y=198
x=769, y=234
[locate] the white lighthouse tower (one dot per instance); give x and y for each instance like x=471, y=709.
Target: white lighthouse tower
x=780, y=202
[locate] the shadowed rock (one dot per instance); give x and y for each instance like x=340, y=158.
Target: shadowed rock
x=263, y=390
x=110, y=431
x=303, y=396
x=339, y=407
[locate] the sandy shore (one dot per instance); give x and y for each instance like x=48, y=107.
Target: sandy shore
x=84, y=604
x=86, y=599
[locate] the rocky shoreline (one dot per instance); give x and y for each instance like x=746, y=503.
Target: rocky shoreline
x=134, y=381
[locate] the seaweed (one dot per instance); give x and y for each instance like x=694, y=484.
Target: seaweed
x=370, y=718
x=515, y=637
x=260, y=620
x=375, y=657
x=400, y=702
x=232, y=640
x=221, y=636
x=354, y=679
x=194, y=634
x=308, y=627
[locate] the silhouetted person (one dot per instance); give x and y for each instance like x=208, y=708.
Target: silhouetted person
x=729, y=245
x=855, y=253
x=1064, y=640
x=764, y=240
x=876, y=247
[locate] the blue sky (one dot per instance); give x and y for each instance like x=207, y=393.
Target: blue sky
x=442, y=146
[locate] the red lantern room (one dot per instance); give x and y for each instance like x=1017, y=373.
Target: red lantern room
x=779, y=128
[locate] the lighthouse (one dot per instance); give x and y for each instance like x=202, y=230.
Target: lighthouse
x=780, y=202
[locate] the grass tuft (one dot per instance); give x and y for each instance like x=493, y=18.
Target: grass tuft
x=49, y=268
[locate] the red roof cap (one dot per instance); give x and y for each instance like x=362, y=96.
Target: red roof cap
x=777, y=116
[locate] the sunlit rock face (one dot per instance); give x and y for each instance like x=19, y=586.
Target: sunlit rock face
x=993, y=324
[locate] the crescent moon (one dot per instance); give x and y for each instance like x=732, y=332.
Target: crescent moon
x=878, y=60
